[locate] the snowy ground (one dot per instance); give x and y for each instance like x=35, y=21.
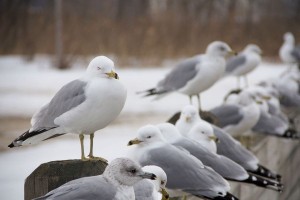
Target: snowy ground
x=25, y=87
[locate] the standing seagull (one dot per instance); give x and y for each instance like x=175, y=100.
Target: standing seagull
x=289, y=53
x=116, y=183
x=196, y=74
x=244, y=63
x=82, y=106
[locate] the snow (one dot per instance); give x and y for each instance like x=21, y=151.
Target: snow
x=25, y=87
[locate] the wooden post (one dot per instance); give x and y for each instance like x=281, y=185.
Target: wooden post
x=51, y=175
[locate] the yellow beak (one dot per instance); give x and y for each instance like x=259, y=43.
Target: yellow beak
x=214, y=138
x=112, y=74
x=165, y=194
x=232, y=53
x=266, y=97
x=187, y=119
x=134, y=141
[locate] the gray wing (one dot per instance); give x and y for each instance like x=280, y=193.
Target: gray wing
x=89, y=188
x=183, y=171
x=227, y=115
x=290, y=99
x=234, y=62
x=270, y=124
x=68, y=97
x=232, y=149
x=222, y=165
x=180, y=75
x=296, y=53
x=143, y=190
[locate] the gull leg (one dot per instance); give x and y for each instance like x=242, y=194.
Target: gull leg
x=191, y=102
x=199, y=101
x=238, y=82
x=81, y=137
x=91, y=155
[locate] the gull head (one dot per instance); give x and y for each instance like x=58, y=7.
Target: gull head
x=218, y=48
x=101, y=66
x=189, y=114
x=247, y=97
x=160, y=181
x=169, y=132
x=253, y=48
x=127, y=172
x=147, y=135
x=289, y=37
x=203, y=132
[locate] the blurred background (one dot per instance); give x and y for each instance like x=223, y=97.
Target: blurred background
x=147, y=30
x=45, y=44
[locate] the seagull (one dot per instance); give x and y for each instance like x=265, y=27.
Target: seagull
x=239, y=114
x=228, y=146
x=196, y=74
x=244, y=63
x=152, y=189
x=289, y=53
x=186, y=174
x=82, y=106
x=227, y=168
x=116, y=183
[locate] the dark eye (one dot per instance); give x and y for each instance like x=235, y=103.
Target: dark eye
x=202, y=132
x=222, y=48
x=149, y=136
x=133, y=171
x=98, y=68
x=162, y=182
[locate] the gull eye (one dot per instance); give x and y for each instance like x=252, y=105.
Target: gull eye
x=149, y=136
x=202, y=132
x=99, y=68
x=162, y=182
x=222, y=48
x=133, y=171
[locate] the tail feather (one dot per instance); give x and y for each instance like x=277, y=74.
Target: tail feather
x=290, y=134
x=227, y=197
x=18, y=141
x=265, y=183
x=265, y=172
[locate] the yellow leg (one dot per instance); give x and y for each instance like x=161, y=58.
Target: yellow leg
x=81, y=137
x=91, y=155
x=199, y=101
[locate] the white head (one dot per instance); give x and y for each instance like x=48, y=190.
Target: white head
x=126, y=172
x=202, y=132
x=189, y=114
x=161, y=178
x=218, y=48
x=289, y=38
x=101, y=66
x=253, y=48
x=148, y=134
x=169, y=132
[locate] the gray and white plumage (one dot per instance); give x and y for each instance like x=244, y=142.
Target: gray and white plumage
x=239, y=115
x=185, y=173
x=245, y=62
x=152, y=189
x=228, y=146
x=82, y=106
x=289, y=53
x=196, y=74
x=115, y=183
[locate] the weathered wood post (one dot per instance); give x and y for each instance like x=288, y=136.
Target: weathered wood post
x=51, y=175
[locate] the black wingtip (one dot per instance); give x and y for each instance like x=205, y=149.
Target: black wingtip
x=265, y=172
x=227, y=197
x=291, y=134
x=11, y=145
x=264, y=183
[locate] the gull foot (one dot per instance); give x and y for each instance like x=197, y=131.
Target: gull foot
x=97, y=158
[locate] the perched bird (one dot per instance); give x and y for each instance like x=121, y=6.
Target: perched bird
x=82, y=106
x=228, y=146
x=152, y=189
x=289, y=53
x=239, y=114
x=244, y=63
x=115, y=183
x=227, y=168
x=186, y=174
x=194, y=75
